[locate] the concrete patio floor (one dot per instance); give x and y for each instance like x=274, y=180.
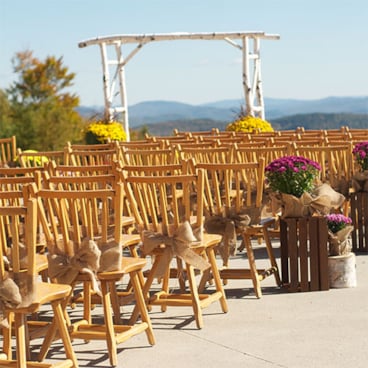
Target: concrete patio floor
x=326, y=329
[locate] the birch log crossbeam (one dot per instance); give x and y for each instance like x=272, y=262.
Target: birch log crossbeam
x=251, y=74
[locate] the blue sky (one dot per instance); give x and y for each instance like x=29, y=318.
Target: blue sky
x=323, y=50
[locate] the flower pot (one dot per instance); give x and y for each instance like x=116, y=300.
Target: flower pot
x=342, y=271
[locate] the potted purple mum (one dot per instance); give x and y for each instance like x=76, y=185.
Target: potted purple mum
x=293, y=175
x=341, y=261
x=293, y=181
x=360, y=178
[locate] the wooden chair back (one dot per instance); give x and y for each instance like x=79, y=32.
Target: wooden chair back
x=253, y=154
x=39, y=159
x=18, y=227
x=149, y=157
x=8, y=151
x=156, y=204
x=233, y=186
x=74, y=170
x=335, y=160
x=91, y=157
x=72, y=215
x=207, y=154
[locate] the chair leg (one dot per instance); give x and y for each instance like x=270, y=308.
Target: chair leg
x=61, y=323
x=195, y=296
x=109, y=325
x=20, y=333
x=271, y=257
x=252, y=265
x=51, y=332
x=211, y=255
x=7, y=333
x=141, y=305
x=87, y=301
x=180, y=274
x=165, y=287
x=115, y=303
x=146, y=289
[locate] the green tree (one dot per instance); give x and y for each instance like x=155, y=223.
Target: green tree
x=5, y=123
x=42, y=110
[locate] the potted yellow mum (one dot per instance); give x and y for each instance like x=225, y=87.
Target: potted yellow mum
x=102, y=132
x=249, y=124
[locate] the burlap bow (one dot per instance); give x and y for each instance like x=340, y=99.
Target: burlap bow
x=360, y=181
x=16, y=290
x=90, y=258
x=320, y=202
x=228, y=226
x=340, y=242
x=177, y=245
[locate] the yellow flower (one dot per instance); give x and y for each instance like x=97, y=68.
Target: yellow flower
x=249, y=124
x=103, y=132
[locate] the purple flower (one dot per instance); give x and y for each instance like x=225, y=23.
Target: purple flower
x=360, y=153
x=337, y=221
x=292, y=174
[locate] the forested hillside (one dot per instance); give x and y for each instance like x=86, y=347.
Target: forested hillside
x=321, y=121
x=308, y=121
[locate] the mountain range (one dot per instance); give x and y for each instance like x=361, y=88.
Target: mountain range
x=151, y=112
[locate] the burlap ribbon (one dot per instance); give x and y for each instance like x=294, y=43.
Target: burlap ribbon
x=340, y=242
x=319, y=202
x=360, y=181
x=342, y=186
x=90, y=258
x=179, y=245
x=16, y=290
x=228, y=225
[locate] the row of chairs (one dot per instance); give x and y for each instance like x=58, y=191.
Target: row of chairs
x=69, y=213
x=335, y=158
x=160, y=201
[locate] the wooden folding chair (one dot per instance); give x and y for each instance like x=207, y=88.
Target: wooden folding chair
x=21, y=291
x=207, y=154
x=39, y=159
x=162, y=216
x=16, y=180
x=75, y=214
x=85, y=155
x=233, y=204
x=8, y=151
x=152, y=157
x=254, y=153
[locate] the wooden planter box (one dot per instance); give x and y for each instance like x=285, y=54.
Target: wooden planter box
x=304, y=254
x=359, y=216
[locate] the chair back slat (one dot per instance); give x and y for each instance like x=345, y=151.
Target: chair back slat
x=18, y=240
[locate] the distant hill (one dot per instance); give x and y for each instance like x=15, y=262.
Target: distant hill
x=282, y=113
x=160, y=111
x=152, y=112
x=321, y=121
x=308, y=121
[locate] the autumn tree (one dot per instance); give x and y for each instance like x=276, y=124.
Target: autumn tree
x=5, y=122
x=42, y=110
